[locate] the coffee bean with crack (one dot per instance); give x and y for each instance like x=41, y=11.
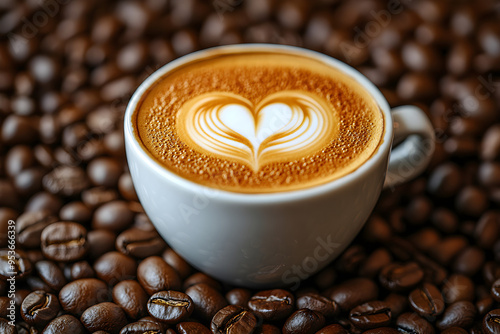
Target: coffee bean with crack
x=400, y=277
x=170, y=306
x=272, y=305
x=39, y=308
x=427, y=300
x=371, y=315
x=64, y=241
x=139, y=243
x=233, y=319
x=29, y=227
x=66, y=181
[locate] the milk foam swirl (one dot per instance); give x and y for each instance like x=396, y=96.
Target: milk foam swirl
x=284, y=126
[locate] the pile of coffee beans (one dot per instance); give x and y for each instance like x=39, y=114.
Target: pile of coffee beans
x=88, y=260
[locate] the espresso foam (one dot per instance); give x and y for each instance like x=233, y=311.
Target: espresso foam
x=258, y=122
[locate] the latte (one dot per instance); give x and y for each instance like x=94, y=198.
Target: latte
x=258, y=122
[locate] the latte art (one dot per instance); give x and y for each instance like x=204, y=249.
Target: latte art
x=258, y=122
x=281, y=127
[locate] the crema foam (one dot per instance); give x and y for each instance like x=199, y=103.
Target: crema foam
x=258, y=122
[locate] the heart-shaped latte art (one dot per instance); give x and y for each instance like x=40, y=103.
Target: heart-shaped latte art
x=284, y=126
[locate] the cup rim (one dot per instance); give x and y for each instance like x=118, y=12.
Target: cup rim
x=382, y=151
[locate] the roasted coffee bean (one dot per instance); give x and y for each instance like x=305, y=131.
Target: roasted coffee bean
x=6, y=327
x=114, y=216
x=353, y=292
x=350, y=259
x=51, y=274
x=413, y=323
x=420, y=58
x=445, y=180
x=471, y=201
x=469, y=261
x=200, y=277
x=142, y=222
x=107, y=317
x=333, y=329
x=143, y=327
x=491, y=322
x=304, y=321
x=487, y=229
x=19, y=296
x=66, y=181
x=76, y=211
x=156, y=275
x=44, y=201
x=372, y=265
x=318, y=303
x=114, y=267
x=18, y=130
x=458, y=288
x=448, y=248
x=170, y=306
x=17, y=159
x=238, y=297
x=98, y=196
x=29, y=181
x=272, y=305
x=131, y=297
x=132, y=57
x=445, y=220
x=370, y=315
x=126, y=187
x=490, y=145
x=425, y=239
x=427, y=301
x=75, y=297
x=491, y=272
x=192, y=327
x=39, y=308
x=139, y=243
x=377, y=229
x=64, y=241
x=233, y=319
x=29, y=227
x=14, y=264
x=416, y=86
x=400, y=277
x=418, y=210
x=459, y=314
x=100, y=242
x=35, y=283
x=177, y=262
x=78, y=270
x=104, y=171
x=207, y=301
x=64, y=324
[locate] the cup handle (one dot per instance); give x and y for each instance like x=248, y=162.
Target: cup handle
x=414, y=133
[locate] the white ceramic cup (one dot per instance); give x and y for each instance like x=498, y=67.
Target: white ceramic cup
x=262, y=240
